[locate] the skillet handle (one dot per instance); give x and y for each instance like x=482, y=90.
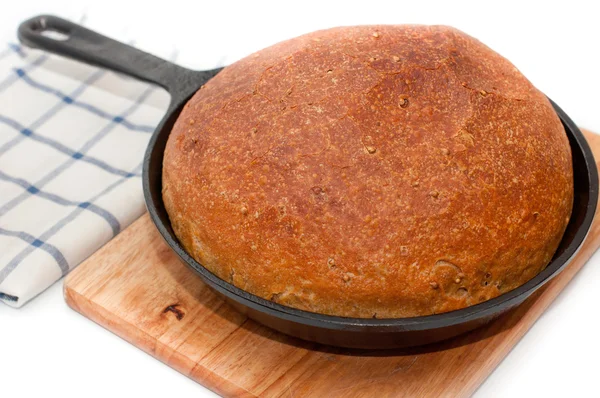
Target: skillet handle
x=68, y=39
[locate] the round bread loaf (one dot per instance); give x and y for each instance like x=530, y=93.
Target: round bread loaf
x=372, y=171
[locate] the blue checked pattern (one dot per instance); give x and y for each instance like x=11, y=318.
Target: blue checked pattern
x=70, y=164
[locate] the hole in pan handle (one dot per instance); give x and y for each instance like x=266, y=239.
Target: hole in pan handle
x=68, y=39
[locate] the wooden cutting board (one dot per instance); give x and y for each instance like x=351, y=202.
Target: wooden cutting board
x=135, y=287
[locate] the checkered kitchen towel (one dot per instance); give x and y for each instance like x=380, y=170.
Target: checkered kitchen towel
x=72, y=138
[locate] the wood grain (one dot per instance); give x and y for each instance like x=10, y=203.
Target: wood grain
x=135, y=287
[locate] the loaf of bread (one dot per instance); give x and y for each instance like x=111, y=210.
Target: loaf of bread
x=371, y=171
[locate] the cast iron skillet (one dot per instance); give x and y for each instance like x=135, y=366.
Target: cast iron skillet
x=90, y=47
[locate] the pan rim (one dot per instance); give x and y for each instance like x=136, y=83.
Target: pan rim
x=420, y=323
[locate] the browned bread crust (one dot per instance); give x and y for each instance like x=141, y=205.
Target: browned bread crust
x=373, y=171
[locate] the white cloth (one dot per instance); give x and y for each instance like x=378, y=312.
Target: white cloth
x=72, y=139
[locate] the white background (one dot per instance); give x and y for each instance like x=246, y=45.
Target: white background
x=46, y=348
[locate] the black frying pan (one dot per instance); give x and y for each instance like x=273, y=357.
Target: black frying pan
x=84, y=45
